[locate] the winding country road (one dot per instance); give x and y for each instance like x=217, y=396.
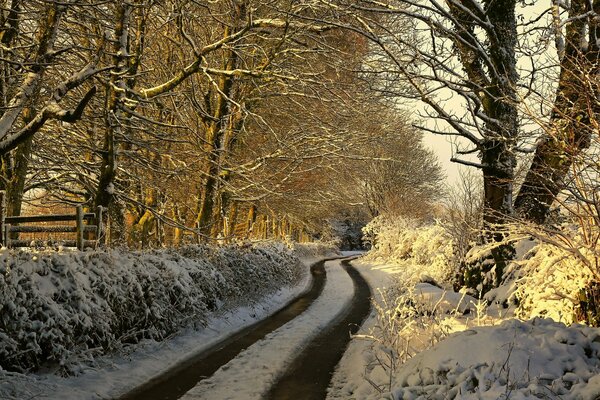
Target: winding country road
x=308, y=373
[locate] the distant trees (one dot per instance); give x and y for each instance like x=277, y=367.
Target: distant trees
x=400, y=178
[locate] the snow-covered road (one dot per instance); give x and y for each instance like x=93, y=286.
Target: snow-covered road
x=177, y=381
x=250, y=375
x=309, y=375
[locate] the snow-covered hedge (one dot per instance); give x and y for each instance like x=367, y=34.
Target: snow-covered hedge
x=60, y=308
x=424, y=251
x=551, y=282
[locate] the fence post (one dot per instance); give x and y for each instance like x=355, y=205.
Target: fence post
x=2, y=216
x=80, y=227
x=6, y=235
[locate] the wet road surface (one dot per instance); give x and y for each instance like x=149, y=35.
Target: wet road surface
x=310, y=373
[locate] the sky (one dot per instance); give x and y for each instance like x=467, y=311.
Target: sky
x=442, y=147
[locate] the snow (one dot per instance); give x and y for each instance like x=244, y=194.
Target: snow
x=439, y=300
x=120, y=374
x=501, y=358
x=250, y=375
x=551, y=281
x=348, y=381
x=424, y=342
x=405, y=246
x=233, y=269
x=517, y=359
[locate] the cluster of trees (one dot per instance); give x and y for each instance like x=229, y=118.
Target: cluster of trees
x=255, y=118
x=193, y=120
x=516, y=82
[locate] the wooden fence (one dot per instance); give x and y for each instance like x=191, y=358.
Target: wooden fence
x=86, y=226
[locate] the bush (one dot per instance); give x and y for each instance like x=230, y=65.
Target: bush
x=426, y=252
x=552, y=282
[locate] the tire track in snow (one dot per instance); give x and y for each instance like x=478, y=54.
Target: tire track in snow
x=253, y=372
x=310, y=373
x=177, y=381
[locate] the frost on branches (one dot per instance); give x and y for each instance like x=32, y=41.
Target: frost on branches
x=551, y=283
x=425, y=252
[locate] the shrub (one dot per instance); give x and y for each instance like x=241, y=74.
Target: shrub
x=62, y=308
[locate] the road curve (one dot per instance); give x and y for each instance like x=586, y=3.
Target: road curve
x=310, y=373
x=177, y=381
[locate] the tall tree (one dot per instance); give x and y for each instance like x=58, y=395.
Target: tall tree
x=571, y=123
x=38, y=59
x=460, y=52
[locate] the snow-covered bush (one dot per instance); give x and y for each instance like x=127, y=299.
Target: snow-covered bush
x=425, y=252
x=60, y=308
x=551, y=282
x=521, y=360
x=410, y=320
x=551, y=275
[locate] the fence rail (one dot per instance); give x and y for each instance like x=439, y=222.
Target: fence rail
x=44, y=218
x=86, y=224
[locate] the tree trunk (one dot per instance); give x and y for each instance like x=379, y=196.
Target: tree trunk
x=209, y=216
x=495, y=88
x=500, y=104
x=16, y=186
x=230, y=222
x=178, y=232
x=250, y=220
x=114, y=117
x=571, y=127
x=15, y=166
x=140, y=231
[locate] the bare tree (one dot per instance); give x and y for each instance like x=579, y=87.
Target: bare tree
x=42, y=65
x=461, y=50
x=571, y=127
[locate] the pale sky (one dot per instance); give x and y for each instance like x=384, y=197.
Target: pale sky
x=442, y=147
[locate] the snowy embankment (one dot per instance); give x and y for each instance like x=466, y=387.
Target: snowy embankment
x=433, y=352
x=425, y=342
x=63, y=311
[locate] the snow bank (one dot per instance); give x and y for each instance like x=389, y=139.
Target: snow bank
x=432, y=344
x=64, y=308
x=521, y=360
x=432, y=299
